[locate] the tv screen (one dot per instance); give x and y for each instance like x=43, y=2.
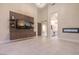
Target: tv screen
x=27, y=24
x=23, y=24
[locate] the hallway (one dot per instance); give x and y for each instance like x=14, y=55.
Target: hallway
x=40, y=46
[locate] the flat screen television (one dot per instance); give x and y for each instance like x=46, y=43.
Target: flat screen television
x=23, y=24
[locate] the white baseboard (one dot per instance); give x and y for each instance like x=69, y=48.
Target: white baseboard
x=71, y=40
x=3, y=42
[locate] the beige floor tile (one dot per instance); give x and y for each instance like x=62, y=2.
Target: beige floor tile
x=39, y=46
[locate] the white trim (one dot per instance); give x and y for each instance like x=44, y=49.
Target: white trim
x=4, y=41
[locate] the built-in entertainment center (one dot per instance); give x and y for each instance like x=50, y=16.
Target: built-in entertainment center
x=21, y=26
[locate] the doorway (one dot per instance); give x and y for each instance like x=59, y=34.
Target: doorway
x=54, y=25
x=44, y=29
x=39, y=29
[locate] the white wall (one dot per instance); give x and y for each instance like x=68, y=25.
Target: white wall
x=27, y=9
x=43, y=14
x=69, y=18
x=42, y=18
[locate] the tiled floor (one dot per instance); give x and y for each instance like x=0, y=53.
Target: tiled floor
x=40, y=46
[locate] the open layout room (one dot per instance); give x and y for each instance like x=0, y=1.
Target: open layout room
x=39, y=28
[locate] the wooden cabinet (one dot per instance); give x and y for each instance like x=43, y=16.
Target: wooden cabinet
x=16, y=33
x=21, y=34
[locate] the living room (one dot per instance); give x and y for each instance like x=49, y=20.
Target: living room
x=61, y=39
